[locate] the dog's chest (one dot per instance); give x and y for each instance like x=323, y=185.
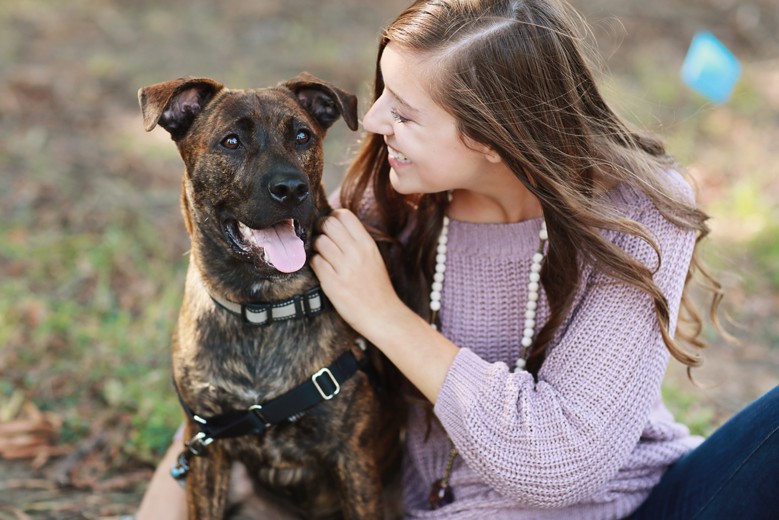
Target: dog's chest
x=234, y=368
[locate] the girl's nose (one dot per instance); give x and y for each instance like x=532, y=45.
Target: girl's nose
x=378, y=119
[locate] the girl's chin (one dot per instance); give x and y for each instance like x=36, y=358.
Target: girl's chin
x=408, y=184
x=397, y=184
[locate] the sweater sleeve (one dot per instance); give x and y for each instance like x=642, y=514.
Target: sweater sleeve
x=556, y=442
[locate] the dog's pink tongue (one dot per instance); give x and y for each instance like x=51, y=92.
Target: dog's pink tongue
x=284, y=248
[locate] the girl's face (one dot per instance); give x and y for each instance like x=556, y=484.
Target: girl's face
x=426, y=152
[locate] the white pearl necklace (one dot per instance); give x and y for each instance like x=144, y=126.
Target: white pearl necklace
x=441, y=492
x=532, y=287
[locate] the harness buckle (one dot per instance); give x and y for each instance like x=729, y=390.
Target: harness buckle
x=197, y=445
x=257, y=409
x=322, y=372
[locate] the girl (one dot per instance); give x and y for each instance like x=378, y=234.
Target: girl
x=550, y=246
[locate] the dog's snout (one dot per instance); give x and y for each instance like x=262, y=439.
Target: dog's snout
x=289, y=190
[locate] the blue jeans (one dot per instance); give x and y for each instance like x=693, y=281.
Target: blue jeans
x=734, y=474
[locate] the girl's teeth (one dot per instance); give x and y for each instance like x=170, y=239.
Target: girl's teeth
x=397, y=155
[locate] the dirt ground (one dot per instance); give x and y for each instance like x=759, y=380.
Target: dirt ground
x=75, y=162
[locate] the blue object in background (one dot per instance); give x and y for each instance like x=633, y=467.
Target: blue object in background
x=710, y=68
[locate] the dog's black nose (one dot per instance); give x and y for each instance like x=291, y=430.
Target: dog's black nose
x=289, y=190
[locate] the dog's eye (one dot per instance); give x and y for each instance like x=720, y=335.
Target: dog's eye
x=302, y=137
x=231, y=142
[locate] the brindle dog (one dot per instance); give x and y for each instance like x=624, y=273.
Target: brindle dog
x=251, y=195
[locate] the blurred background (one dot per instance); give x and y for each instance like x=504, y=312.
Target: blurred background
x=93, y=249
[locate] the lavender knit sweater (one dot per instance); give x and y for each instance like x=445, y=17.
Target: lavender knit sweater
x=592, y=437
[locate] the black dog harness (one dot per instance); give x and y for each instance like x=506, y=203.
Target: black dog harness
x=322, y=385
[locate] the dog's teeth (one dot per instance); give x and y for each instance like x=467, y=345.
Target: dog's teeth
x=244, y=229
x=247, y=234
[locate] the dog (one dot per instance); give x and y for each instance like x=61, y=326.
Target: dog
x=266, y=371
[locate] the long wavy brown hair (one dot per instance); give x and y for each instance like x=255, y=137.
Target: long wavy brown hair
x=513, y=74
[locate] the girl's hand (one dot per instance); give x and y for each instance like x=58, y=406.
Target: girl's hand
x=352, y=272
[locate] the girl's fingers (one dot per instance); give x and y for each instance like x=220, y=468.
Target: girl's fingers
x=328, y=249
x=334, y=231
x=342, y=225
x=348, y=236
x=351, y=223
x=322, y=268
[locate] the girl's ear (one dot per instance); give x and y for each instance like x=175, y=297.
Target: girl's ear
x=491, y=155
x=484, y=149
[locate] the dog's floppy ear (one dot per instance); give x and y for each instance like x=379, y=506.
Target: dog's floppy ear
x=174, y=104
x=324, y=101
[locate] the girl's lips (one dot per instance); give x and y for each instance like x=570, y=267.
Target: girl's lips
x=395, y=164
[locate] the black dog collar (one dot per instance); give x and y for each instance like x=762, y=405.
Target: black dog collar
x=310, y=303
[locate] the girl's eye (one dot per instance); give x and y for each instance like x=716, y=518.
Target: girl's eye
x=302, y=137
x=231, y=142
x=397, y=117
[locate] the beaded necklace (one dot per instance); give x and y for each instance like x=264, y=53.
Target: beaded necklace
x=441, y=492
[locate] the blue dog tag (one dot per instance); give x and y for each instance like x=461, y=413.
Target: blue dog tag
x=710, y=68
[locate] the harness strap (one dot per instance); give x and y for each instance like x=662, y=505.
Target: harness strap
x=323, y=385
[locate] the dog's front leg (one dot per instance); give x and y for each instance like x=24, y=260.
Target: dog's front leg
x=361, y=494
x=208, y=483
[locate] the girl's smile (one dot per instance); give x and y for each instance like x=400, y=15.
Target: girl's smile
x=397, y=159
